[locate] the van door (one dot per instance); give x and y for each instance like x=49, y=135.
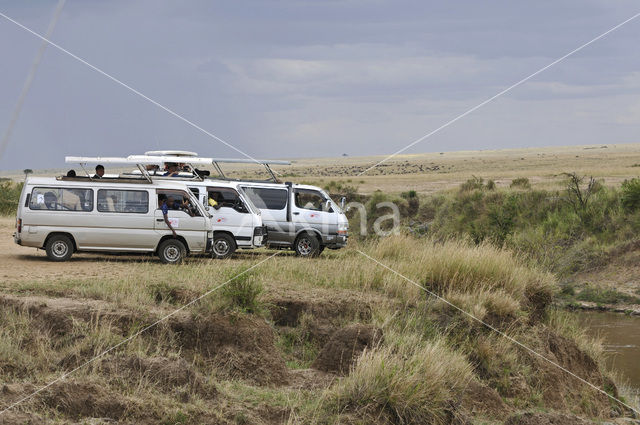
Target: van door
x=311, y=210
x=186, y=219
x=230, y=213
x=272, y=203
x=123, y=221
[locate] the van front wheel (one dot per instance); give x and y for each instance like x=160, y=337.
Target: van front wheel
x=223, y=246
x=172, y=251
x=59, y=248
x=307, y=245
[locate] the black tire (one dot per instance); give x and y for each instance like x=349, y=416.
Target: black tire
x=320, y=249
x=172, y=251
x=307, y=245
x=223, y=246
x=59, y=248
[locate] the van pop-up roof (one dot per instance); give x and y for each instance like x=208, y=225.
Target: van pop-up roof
x=174, y=156
x=188, y=157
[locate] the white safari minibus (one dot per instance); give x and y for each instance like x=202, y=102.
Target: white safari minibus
x=236, y=221
x=63, y=215
x=299, y=217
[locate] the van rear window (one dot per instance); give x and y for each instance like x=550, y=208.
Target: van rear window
x=61, y=199
x=271, y=199
x=123, y=201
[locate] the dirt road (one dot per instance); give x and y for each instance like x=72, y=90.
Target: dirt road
x=18, y=263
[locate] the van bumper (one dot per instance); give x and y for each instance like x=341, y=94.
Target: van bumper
x=336, y=241
x=17, y=239
x=259, y=236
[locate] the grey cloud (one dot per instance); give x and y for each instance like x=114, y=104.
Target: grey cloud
x=293, y=78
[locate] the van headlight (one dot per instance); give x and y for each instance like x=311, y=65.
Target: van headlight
x=343, y=228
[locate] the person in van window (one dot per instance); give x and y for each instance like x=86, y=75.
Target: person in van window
x=180, y=205
x=188, y=208
x=51, y=201
x=99, y=172
x=214, y=200
x=164, y=206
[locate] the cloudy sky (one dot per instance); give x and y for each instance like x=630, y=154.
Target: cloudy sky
x=317, y=78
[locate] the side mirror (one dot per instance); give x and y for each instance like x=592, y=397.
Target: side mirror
x=343, y=202
x=327, y=205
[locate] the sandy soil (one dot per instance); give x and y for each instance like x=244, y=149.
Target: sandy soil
x=18, y=263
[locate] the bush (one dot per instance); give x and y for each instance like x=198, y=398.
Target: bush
x=520, y=182
x=409, y=194
x=630, y=198
x=243, y=293
x=474, y=183
x=415, y=381
x=9, y=197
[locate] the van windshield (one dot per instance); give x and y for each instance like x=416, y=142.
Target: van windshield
x=247, y=201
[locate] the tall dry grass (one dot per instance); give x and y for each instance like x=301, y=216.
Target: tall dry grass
x=411, y=380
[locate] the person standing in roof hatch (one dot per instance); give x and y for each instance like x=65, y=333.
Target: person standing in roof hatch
x=99, y=172
x=172, y=170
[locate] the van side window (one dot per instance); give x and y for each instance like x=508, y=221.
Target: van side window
x=177, y=200
x=309, y=199
x=61, y=199
x=195, y=191
x=225, y=197
x=123, y=201
x=266, y=198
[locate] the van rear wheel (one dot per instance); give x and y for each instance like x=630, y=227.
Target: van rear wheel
x=307, y=245
x=223, y=246
x=59, y=248
x=172, y=251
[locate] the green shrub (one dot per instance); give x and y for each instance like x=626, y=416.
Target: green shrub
x=630, y=197
x=243, y=293
x=9, y=197
x=474, y=183
x=409, y=194
x=521, y=182
x=599, y=295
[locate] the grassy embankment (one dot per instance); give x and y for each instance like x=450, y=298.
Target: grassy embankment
x=250, y=352
x=573, y=232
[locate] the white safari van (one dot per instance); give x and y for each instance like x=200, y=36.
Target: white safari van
x=300, y=217
x=236, y=220
x=64, y=215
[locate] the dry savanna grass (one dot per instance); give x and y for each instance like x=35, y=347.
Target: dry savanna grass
x=432, y=172
x=242, y=354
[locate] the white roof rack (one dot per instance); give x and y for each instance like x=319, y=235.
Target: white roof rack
x=157, y=159
x=191, y=155
x=170, y=153
x=136, y=159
